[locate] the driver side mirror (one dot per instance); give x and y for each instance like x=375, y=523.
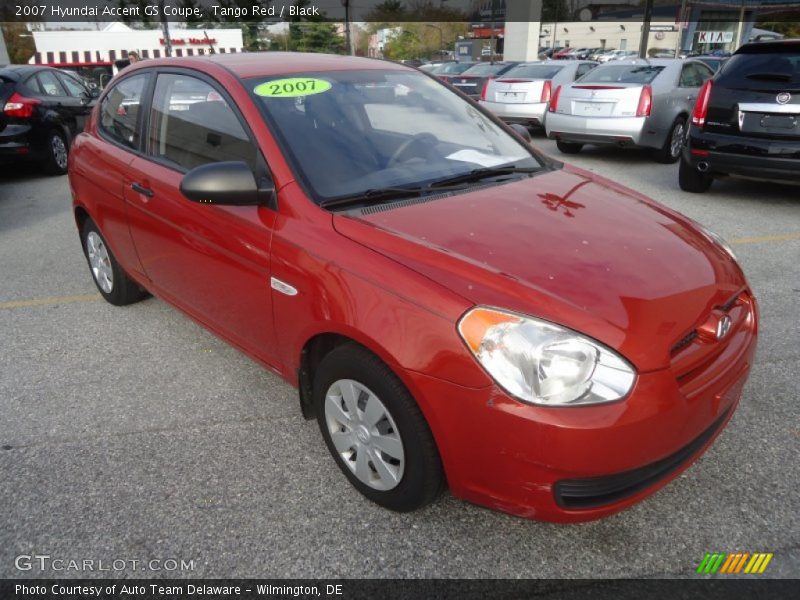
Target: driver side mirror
x=521, y=131
x=230, y=183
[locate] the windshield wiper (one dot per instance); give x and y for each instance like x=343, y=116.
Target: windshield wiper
x=374, y=195
x=483, y=173
x=377, y=195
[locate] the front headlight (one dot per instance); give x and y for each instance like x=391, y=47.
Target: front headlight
x=542, y=363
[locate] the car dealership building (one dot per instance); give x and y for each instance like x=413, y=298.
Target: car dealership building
x=98, y=50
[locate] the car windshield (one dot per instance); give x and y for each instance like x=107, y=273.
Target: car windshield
x=354, y=132
x=533, y=71
x=622, y=74
x=484, y=70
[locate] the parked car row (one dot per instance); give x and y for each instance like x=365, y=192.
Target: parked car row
x=643, y=103
x=43, y=110
x=718, y=115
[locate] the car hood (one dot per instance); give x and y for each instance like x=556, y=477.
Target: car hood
x=566, y=246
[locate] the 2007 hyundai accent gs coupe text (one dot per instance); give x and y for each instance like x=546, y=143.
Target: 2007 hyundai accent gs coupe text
x=454, y=306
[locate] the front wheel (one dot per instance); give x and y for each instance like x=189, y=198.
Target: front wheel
x=670, y=152
x=692, y=180
x=568, y=147
x=375, y=431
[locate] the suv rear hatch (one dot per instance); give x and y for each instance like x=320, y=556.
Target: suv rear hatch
x=757, y=93
x=608, y=91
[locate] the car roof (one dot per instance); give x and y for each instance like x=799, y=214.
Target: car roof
x=772, y=45
x=264, y=64
x=19, y=72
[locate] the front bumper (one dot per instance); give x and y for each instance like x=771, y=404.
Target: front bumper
x=759, y=158
x=574, y=464
x=626, y=131
x=527, y=114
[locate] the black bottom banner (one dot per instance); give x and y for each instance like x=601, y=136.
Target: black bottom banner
x=389, y=589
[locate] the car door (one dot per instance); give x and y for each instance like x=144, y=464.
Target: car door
x=79, y=103
x=61, y=107
x=213, y=261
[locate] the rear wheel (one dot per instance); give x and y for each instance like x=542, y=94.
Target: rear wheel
x=692, y=180
x=57, y=153
x=670, y=152
x=111, y=281
x=568, y=147
x=375, y=430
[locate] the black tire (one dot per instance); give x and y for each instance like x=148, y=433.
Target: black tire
x=669, y=154
x=56, y=162
x=123, y=290
x=568, y=147
x=692, y=180
x=423, y=476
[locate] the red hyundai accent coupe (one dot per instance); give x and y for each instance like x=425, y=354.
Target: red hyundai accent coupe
x=455, y=307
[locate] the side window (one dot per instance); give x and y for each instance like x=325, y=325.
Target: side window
x=119, y=110
x=583, y=69
x=49, y=84
x=192, y=125
x=706, y=73
x=73, y=86
x=692, y=76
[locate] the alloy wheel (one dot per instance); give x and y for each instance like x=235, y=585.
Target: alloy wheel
x=100, y=262
x=59, y=149
x=676, y=143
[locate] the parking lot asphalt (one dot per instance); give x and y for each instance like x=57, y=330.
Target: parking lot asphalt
x=134, y=434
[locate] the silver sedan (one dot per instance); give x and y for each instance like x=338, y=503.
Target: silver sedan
x=642, y=103
x=522, y=94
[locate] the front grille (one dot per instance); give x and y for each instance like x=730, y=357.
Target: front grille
x=698, y=359
x=683, y=342
x=595, y=492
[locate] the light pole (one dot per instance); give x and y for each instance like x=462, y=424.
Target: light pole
x=347, y=42
x=165, y=29
x=441, y=38
x=648, y=16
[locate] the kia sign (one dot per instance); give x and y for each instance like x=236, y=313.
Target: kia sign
x=714, y=37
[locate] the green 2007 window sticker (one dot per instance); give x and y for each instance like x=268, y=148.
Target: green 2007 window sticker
x=292, y=87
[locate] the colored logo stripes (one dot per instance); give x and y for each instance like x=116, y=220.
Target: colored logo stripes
x=734, y=563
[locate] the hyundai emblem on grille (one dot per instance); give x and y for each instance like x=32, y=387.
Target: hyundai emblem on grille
x=723, y=327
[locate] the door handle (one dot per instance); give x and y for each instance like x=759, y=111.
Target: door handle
x=136, y=187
